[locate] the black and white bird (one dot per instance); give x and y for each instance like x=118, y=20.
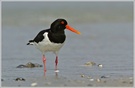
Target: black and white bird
x=52, y=39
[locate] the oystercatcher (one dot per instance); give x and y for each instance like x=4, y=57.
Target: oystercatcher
x=52, y=39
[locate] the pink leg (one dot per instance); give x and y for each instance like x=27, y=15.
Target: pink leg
x=44, y=62
x=56, y=63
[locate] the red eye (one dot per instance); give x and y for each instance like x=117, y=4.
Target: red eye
x=62, y=22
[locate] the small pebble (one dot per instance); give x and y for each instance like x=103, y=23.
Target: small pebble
x=90, y=63
x=104, y=76
x=20, y=79
x=130, y=82
x=98, y=80
x=82, y=76
x=91, y=79
x=34, y=84
x=100, y=65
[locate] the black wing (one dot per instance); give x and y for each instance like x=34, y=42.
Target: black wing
x=40, y=36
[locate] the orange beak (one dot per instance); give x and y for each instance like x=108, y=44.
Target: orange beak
x=72, y=29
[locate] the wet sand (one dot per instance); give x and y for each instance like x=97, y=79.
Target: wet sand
x=59, y=81
x=74, y=67
x=34, y=77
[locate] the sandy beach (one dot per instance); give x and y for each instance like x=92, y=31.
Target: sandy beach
x=58, y=81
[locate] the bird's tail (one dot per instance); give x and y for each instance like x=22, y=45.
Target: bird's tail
x=31, y=42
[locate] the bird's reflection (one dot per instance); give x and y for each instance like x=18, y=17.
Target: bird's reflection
x=56, y=74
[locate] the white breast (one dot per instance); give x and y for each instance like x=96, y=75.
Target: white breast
x=47, y=46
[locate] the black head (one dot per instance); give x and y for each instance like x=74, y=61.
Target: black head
x=58, y=25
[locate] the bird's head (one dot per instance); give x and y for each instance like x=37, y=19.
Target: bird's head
x=61, y=25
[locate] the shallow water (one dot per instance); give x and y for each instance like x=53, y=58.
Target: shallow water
x=107, y=43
